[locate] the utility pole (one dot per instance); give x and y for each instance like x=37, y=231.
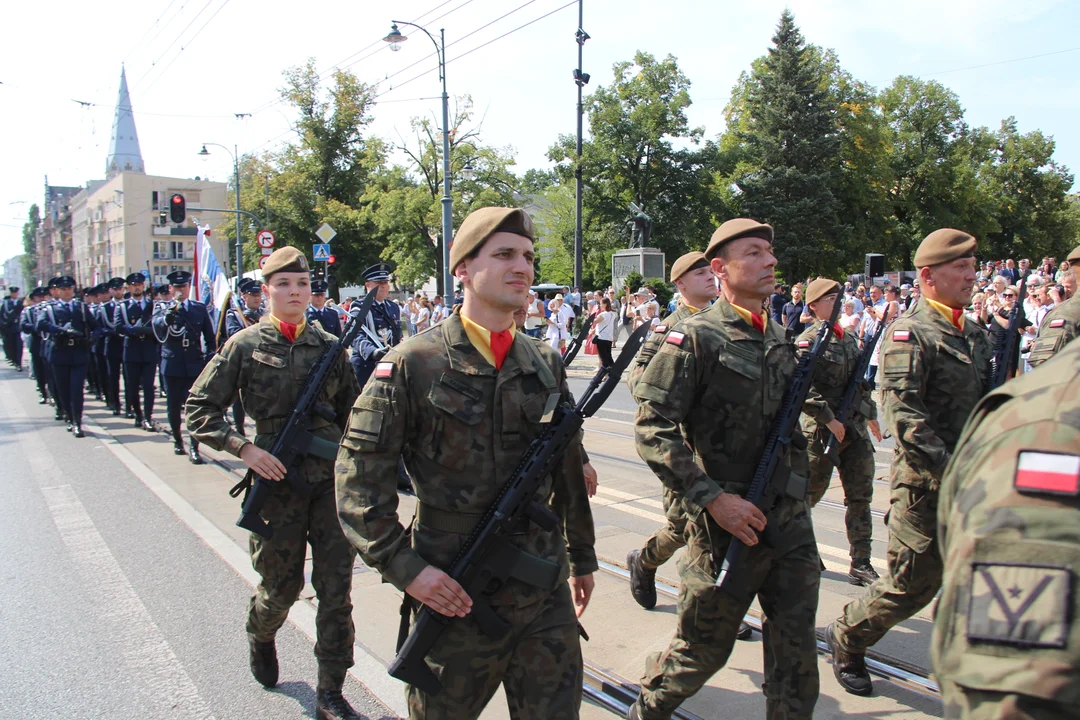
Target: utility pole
x=581, y=79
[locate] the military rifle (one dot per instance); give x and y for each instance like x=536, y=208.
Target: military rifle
x=773, y=478
x=1003, y=364
x=488, y=559
x=295, y=440
x=572, y=349
x=848, y=403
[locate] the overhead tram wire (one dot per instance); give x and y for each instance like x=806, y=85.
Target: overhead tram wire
x=189, y=42
x=169, y=47
x=147, y=40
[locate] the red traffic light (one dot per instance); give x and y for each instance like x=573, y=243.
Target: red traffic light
x=331, y=260
x=177, y=199
x=177, y=208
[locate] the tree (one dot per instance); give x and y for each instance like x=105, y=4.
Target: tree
x=29, y=240
x=631, y=157
x=790, y=175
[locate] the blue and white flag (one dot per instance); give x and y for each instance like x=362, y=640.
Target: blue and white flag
x=211, y=283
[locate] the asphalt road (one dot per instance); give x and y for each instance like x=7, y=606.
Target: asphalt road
x=112, y=607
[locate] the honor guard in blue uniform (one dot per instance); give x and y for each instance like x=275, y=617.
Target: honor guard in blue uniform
x=10, y=312
x=96, y=374
x=185, y=332
x=47, y=346
x=70, y=325
x=161, y=296
x=132, y=320
x=28, y=324
x=317, y=311
x=114, y=345
x=382, y=328
x=246, y=315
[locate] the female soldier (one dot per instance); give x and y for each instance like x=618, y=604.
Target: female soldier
x=266, y=364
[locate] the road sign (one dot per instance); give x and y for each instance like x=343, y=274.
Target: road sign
x=322, y=252
x=267, y=251
x=265, y=239
x=262, y=261
x=325, y=233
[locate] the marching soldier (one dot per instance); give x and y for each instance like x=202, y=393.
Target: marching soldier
x=114, y=346
x=186, y=334
x=98, y=360
x=1061, y=325
x=854, y=449
x=28, y=324
x=47, y=343
x=382, y=329
x=265, y=364
x=10, y=312
x=1004, y=642
x=237, y=319
x=706, y=402
x=318, y=312
x=131, y=321
x=162, y=296
x=934, y=369
x=70, y=325
x=462, y=402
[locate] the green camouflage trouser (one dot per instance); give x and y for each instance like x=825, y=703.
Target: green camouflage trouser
x=538, y=663
x=914, y=575
x=970, y=704
x=785, y=580
x=857, y=477
x=298, y=521
x=664, y=542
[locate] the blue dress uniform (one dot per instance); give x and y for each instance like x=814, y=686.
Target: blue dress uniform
x=187, y=343
x=47, y=348
x=161, y=296
x=132, y=323
x=114, y=350
x=10, y=313
x=326, y=317
x=70, y=325
x=28, y=324
x=98, y=366
x=235, y=321
x=384, y=322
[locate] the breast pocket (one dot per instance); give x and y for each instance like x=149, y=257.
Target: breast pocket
x=736, y=383
x=454, y=425
x=955, y=368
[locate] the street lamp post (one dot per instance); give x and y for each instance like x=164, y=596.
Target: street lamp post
x=581, y=79
x=236, y=179
x=395, y=38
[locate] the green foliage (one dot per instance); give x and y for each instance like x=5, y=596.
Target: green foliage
x=664, y=292
x=633, y=281
x=29, y=240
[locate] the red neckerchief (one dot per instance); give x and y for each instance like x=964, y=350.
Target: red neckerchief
x=838, y=331
x=957, y=313
x=500, y=346
x=288, y=329
x=758, y=321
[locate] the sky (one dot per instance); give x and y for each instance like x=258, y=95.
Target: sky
x=192, y=65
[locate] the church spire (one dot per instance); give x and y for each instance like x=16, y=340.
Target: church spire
x=124, y=153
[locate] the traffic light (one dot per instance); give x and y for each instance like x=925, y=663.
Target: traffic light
x=330, y=264
x=163, y=217
x=177, y=208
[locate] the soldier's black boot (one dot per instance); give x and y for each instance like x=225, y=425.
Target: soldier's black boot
x=849, y=668
x=138, y=420
x=67, y=421
x=193, y=453
x=263, y=660
x=332, y=705
x=148, y=425
x=862, y=572
x=178, y=445
x=59, y=413
x=77, y=430
x=642, y=581
x=745, y=632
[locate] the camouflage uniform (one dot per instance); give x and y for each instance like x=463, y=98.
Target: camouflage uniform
x=462, y=427
x=931, y=376
x=663, y=543
x=1006, y=637
x=832, y=374
x=1060, y=327
x=265, y=371
x=705, y=405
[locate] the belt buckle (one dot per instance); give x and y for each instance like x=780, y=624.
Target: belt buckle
x=71, y=342
x=185, y=342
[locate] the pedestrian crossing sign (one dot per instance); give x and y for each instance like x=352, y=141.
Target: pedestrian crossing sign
x=322, y=252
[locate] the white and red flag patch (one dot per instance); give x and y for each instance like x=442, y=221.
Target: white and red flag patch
x=804, y=343
x=384, y=370
x=1060, y=322
x=660, y=329
x=901, y=335
x=1044, y=472
x=675, y=338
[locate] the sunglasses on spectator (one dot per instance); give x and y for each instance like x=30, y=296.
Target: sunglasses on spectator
x=1008, y=295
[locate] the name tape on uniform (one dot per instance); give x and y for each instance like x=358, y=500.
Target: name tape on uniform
x=675, y=338
x=384, y=370
x=1043, y=472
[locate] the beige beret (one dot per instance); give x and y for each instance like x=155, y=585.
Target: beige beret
x=285, y=259
x=735, y=229
x=820, y=288
x=482, y=224
x=689, y=261
x=1074, y=255
x=944, y=245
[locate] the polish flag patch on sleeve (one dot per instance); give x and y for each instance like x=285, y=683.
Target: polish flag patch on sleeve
x=1050, y=473
x=674, y=338
x=804, y=343
x=660, y=329
x=384, y=370
x=901, y=335
x=1060, y=322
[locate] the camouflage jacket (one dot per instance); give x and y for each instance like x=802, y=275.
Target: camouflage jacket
x=651, y=345
x=461, y=427
x=706, y=402
x=931, y=376
x=267, y=372
x=832, y=373
x=1060, y=327
x=1009, y=526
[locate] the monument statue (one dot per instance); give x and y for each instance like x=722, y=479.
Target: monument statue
x=639, y=237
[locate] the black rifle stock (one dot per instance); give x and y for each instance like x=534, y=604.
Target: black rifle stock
x=295, y=440
x=1004, y=360
x=849, y=403
x=772, y=477
x=574, y=347
x=487, y=559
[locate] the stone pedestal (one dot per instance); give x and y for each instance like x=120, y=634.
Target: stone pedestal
x=647, y=261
